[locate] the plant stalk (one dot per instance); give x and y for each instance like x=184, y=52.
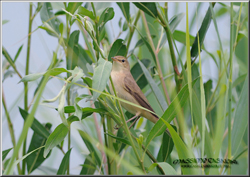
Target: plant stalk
x=156, y=56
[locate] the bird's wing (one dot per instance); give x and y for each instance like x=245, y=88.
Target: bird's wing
x=131, y=87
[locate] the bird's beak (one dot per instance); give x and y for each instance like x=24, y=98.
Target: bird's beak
x=113, y=58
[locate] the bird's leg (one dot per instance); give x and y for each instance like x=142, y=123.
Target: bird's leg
x=134, y=122
x=137, y=116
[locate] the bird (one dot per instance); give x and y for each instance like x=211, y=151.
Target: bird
x=127, y=89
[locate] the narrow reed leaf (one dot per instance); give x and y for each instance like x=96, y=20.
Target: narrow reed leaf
x=240, y=119
x=157, y=92
x=5, y=153
x=64, y=164
x=183, y=151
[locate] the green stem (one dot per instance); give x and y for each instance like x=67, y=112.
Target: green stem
x=132, y=30
x=230, y=87
x=127, y=130
x=96, y=29
x=156, y=57
x=112, y=162
x=172, y=53
x=10, y=125
x=26, y=83
x=29, y=120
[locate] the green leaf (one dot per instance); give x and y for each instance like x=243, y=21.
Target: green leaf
x=147, y=7
x=118, y=48
x=18, y=52
x=73, y=50
x=123, y=140
x=85, y=12
x=101, y=76
x=239, y=80
x=202, y=33
x=147, y=44
x=5, y=153
x=55, y=138
x=4, y=21
x=180, y=36
x=168, y=169
x=57, y=71
x=157, y=92
x=47, y=16
x=36, y=126
x=64, y=164
x=137, y=73
x=183, y=151
x=166, y=147
x=175, y=20
x=36, y=159
x=241, y=118
x=169, y=114
x=31, y=77
x=88, y=111
x=26, y=155
x=90, y=147
x=106, y=15
x=89, y=167
x=72, y=7
x=140, y=42
x=124, y=6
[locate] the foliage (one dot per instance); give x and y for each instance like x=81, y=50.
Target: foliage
x=206, y=119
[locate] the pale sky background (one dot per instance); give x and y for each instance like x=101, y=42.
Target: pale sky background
x=14, y=34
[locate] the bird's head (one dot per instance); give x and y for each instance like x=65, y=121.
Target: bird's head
x=120, y=63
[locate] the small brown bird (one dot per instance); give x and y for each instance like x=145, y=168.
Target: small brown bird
x=127, y=89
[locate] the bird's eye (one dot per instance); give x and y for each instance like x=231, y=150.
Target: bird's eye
x=123, y=61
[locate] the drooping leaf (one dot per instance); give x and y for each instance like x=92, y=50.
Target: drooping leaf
x=118, y=48
x=147, y=7
x=101, y=76
x=64, y=164
x=124, y=6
